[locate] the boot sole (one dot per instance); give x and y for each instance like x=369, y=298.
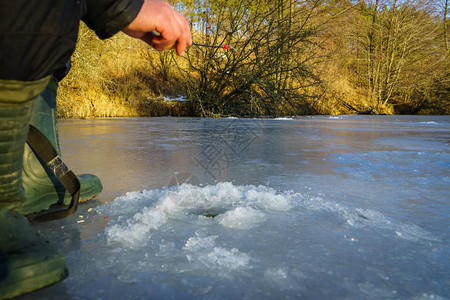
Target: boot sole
x=32, y=277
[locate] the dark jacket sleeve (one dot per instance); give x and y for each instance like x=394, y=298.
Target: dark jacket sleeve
x=37, y=37
x=107, y=17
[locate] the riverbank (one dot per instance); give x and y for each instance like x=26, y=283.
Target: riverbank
x=123, y=77
x=118, y=77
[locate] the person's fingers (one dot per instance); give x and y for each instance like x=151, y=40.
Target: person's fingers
x=172, y=28
x=185, y=34
x=174, y=33
x=181, y=43
x=169, y=31
x=148, y=37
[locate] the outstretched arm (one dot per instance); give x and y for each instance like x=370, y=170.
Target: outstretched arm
x=159, y=16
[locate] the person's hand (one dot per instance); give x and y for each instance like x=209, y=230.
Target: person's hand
x=159, y=16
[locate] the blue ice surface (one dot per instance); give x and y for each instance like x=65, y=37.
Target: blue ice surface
x=353, y=207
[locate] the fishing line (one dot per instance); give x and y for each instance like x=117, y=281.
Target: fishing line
x=226, y=47
x=211, y=46
x=171, y=46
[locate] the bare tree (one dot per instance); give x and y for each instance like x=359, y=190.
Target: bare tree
x=398, y=37
x=266, y=69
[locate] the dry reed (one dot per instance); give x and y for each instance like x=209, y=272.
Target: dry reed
x=116, y=78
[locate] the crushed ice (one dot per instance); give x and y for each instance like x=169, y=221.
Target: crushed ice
x=240, y=207
x=203, y=250
x=136, y=216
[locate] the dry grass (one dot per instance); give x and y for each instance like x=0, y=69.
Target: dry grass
x=339, y=95
x=124, y=77
x=116, y=78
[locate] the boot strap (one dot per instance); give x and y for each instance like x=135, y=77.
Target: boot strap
x=44, y=149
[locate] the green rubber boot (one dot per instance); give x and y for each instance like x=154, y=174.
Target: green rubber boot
x=42, y=188
x=27, y=262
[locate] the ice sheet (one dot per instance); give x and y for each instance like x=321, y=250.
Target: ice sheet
x=352, y=207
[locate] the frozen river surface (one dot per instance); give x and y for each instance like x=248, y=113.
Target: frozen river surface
x=312, y=207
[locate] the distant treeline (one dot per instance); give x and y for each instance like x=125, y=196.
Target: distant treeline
x=285, y=57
